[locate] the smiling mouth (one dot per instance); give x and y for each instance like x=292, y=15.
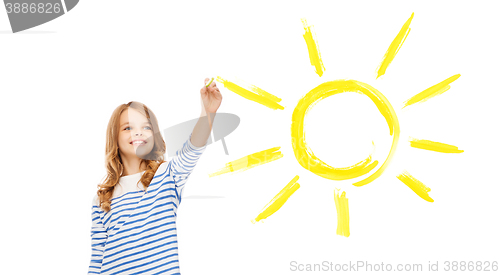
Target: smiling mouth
x=138, y=143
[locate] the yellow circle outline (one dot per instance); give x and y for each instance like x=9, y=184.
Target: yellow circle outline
x=304, y=154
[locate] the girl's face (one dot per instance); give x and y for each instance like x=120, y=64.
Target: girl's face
x=135, y=127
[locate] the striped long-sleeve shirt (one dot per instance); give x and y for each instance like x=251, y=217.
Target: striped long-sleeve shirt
x=138, y=235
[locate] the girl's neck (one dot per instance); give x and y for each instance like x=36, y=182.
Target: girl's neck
x=131, y=167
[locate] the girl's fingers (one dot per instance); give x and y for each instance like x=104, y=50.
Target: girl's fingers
x=214, y=90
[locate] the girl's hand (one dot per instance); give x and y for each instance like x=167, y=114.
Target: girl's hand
x=210, y=97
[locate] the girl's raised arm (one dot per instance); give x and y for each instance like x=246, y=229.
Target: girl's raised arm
x=183, y=163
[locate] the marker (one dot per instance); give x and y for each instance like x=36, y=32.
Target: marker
x=210, y=82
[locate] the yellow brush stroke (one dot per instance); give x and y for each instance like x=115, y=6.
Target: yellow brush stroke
x=342, y=205
x=312, y=47
x=434, y=146
x=250, y=161
x=418, y=187
x=252, y=93
x=361, y=168
x=278, y=200
x=394, y=47
x=304, y=154
x=433, y=91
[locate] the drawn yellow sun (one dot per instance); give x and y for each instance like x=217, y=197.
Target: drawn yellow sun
x=305, y=155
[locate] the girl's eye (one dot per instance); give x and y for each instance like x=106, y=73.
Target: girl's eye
x=144, y=127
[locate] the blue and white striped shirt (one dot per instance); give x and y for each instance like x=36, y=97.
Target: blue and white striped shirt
x=138, y=235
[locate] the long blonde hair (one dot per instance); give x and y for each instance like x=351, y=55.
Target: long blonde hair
x=113, y=161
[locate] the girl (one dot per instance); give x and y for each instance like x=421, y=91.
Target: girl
x=134, y=210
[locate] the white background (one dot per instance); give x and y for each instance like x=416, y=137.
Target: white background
x=61, y=81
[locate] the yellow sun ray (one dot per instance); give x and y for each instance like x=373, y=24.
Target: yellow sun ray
x=250, y=161
x=417, y=186
x=342, y=205
x=252, y=93
x=434, y=146
x=313, y=48
x=433, y=91
x=394, y=47
x=278, y=200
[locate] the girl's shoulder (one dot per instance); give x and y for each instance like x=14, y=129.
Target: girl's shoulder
x=162, y=168
x=95, y=200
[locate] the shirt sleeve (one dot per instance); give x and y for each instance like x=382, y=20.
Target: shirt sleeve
x=183, y=163
x=99, y=236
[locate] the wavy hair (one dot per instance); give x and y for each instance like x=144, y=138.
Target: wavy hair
x=113, y=160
